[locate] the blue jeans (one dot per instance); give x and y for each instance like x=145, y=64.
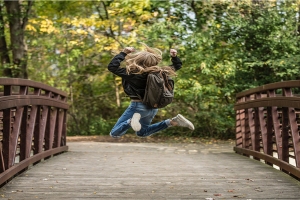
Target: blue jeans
x=147, y=115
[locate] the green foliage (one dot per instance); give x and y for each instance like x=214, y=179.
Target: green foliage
x=225, y=46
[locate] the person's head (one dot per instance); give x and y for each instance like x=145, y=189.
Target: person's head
x=141, y=60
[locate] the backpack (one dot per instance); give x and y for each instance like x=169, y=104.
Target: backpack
x=159, y=90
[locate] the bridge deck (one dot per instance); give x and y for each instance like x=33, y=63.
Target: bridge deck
x=93, y=170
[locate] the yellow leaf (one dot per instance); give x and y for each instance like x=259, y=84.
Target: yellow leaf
x=30, y=28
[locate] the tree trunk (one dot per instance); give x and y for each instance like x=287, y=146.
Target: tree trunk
x=4, y=56
x=117, y=93
x=17, y=23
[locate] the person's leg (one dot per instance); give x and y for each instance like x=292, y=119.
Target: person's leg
x=141, y=121
x=148, y=130
x=135, y=122
x=180, y=120
x=144, y=120
x=123, y=123
x=139, y=116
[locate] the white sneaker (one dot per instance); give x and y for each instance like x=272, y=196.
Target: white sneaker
x=181, y=121
x=135, y=122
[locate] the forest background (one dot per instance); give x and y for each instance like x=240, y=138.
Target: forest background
x=226, y=46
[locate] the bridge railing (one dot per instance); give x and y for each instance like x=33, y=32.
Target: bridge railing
x=267, y=125
x=32, y=124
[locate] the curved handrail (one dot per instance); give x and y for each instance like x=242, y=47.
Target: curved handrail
x=32, y=84
x=21, y=100
x=271, y=86
x=32, y=124
x=267, y=123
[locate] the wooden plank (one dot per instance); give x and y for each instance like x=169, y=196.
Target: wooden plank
x=29, y=83
x=271, y=86
x=7, y=121
x=23, y=134
x=238, y=128
x=94, y=170
x=39, y=134
x=256, y=130
x=286, y=128
x=263, y=129
x=36, y=133
x=283, y=147
x=269, y=102
x=25, y=163
x=277, y=130
x=276, y=126
x=269, y=134
x=24, y=100
x=270, y=159
x=11, y=131
x=2, y=167
x=247, y=136
x=50, y=128
x=14, y=136
x=28, y=134
x=252, y=129
x=58, y=128
x=64, y=129
x=295, y=135
x=21, y=101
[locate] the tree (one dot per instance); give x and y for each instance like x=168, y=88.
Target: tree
x=14, y=52
x=225, y=46
x=72, y=43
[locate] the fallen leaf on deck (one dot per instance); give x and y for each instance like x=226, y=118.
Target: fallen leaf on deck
x=232, y=182
x=237, y=196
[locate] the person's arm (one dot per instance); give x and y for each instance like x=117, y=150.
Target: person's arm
x=176, y=62
x=114, y=65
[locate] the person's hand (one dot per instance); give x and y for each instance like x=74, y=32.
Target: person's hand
x=128, y=50
x=173, y=52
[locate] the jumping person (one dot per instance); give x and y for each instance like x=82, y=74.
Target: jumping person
x=134, y=78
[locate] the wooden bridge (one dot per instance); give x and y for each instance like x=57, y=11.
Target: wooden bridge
x=33, y=129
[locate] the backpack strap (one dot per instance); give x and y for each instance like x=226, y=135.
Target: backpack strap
x=165, y=77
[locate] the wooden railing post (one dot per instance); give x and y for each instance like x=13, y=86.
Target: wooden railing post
x=33, y=119
x=271, y=119
x=7, y=121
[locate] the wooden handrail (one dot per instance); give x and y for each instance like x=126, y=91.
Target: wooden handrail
x=267, y=123
x=271, y=86
x=32, y=124
x=29, y=83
